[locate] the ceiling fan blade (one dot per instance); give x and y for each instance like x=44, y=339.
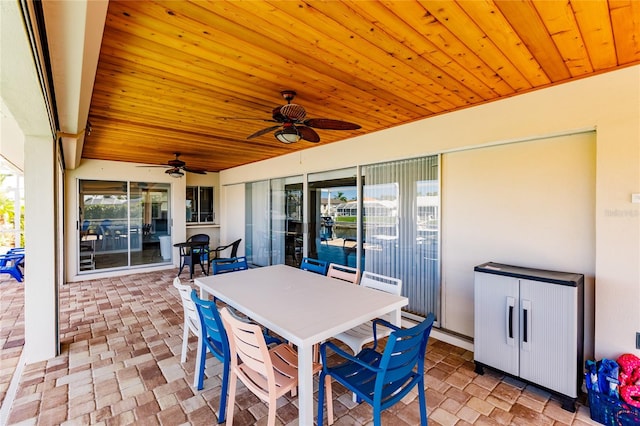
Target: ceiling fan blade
x=194, y=170
x=268, y=120
x=329, y=124
x=263, y=131
x=308, y=134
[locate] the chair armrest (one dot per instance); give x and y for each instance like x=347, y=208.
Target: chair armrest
x=220, y=248
x=11, y=257
x=343, y=354
x=384, y=323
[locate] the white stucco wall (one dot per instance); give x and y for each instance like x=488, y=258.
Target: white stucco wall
x=608, y=103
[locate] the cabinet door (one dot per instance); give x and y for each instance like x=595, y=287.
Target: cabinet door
x=548, y=330
x=496, y=321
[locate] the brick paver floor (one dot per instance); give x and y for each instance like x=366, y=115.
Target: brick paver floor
x=120, y=364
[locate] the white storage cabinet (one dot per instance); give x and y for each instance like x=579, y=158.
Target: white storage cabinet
x=529, y=325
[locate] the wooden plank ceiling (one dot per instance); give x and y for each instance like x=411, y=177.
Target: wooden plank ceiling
x=199, y=77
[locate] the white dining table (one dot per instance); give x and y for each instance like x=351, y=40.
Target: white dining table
x=303, y=307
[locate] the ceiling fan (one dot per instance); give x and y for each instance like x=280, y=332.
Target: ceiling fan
x=293, y=126
x=177, y=167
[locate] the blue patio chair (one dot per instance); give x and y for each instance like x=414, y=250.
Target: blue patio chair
x=221, y=266
x=18, y=250
x=10, y=264
x=213, y=339
x=382, y=379
x=314, y=265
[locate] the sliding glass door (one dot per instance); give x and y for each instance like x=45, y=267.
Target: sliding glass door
x=274, y=221
x=122, y=224
x=333, y=221
x=389, y=226
x=401, y=228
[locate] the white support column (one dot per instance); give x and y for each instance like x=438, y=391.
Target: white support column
x=40, y=293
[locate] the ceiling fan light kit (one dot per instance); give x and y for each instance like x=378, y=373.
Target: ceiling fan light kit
x=288, y=135
x=177, y=167
x=175, y=173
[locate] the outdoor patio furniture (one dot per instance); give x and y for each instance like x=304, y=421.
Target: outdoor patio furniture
x=10, y=264
x=314, y=265
x=362, y=334
x=213, y=339
x=191, y=321
x=381, y=379
x=193, y=252
x=221, y=266
x=18, y=250
x=216, y=252
x=344, y=273
x=268, y=373
x=329, y=306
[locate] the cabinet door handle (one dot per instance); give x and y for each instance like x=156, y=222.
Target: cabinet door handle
x=511, y=303
x=526, y=324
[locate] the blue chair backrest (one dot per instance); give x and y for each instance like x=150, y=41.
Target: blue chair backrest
x=211, y=327
x=233, y=264
x=405, y=350
x=314, y=265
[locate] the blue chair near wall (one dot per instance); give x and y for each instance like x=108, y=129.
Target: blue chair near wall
x=234, y=264
x=214, y=340
x=314, y=265
x=381, y=379
x=216, y=253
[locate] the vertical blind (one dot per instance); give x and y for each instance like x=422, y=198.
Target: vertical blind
x=401, y=227
x=257, y=246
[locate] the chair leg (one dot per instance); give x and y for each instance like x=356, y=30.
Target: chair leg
x=233, y=381
x=423, y=404
x=321, y=384
x=273, y=405
x=223, y=396
x=201, y=358
x=185, y=341
x=327, y=381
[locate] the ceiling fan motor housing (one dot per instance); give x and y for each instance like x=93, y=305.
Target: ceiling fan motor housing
x=293, y=112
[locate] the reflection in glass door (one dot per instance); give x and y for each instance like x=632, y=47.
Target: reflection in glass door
x=149, y=228
x=257, y=233
x=286, y=221
x=122, y=224
x=333, y=221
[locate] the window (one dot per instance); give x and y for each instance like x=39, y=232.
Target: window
x=122, y=224
x=199, y=204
